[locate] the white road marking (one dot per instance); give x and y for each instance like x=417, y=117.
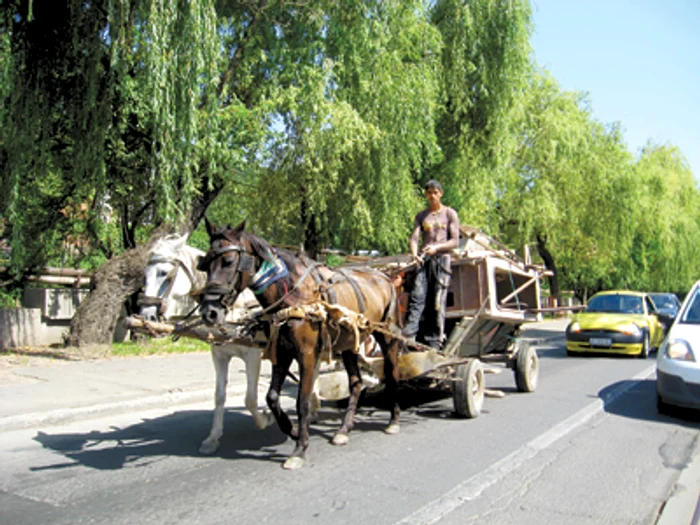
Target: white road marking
x=472, y=488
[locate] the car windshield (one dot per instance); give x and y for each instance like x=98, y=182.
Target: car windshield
x=691, y=315
x=617, y=304
x=664, y=300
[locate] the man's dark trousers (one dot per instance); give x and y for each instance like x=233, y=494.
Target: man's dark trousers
x=428, y=299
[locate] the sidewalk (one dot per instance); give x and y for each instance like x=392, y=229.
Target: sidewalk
x=54, y=391
x=49, y=391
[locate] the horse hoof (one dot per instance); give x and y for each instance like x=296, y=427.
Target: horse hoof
x=293, y=463
x=264, y=421
x=208, y=447
x=341, y=439
x=392, y=429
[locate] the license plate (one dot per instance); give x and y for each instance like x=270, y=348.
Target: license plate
x=600, y=341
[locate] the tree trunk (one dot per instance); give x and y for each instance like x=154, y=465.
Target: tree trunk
x=116, y=280
x=308, y=219
x=554, y=289
x=112, y=284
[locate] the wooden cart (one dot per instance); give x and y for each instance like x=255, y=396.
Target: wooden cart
x=492, y=293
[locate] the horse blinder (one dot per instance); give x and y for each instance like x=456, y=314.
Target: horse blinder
x=246, y=263
x=203, y=263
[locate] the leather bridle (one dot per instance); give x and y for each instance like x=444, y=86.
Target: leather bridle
x=226, y=293
x=167, y=284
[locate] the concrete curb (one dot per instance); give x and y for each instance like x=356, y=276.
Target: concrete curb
x=66, y=415
x=683, y=505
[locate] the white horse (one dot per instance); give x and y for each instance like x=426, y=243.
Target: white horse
x=171, y=278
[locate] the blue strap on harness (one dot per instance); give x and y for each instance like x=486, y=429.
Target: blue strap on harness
x=269, y=273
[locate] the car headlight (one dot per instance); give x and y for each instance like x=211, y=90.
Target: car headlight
x=575, y=327
x=679, y=350
x=629, y=329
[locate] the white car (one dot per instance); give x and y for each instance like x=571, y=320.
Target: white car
x=678, y=359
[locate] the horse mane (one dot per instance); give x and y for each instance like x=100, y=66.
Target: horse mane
x=261, y=247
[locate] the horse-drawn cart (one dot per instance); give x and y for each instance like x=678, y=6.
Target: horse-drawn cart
x=492, y=293
x=310, y=313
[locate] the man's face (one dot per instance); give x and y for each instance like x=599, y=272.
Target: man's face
x=433, y=195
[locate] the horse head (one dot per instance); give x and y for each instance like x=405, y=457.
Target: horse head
x=170, y=278
x=230, y=263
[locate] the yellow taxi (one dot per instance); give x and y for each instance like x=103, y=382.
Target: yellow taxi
x=616, y=322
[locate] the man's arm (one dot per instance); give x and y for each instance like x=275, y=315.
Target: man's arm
x=453, y=231
x=413, y=242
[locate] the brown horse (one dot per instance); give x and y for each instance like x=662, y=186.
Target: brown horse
x=285, y=282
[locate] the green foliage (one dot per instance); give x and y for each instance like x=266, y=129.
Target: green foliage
x=164, y=345
x=10, y=298
x=354, y=114
x=610, y=222
x=486, y=64
x=333, y=260
x=321, y=120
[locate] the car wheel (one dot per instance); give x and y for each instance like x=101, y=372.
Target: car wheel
x=644, y=352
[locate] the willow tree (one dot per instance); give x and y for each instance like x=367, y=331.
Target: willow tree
x=666, y=245
x=486, y=63
x=122, y=106
x=568, y=189
x=146, y=109
x=355, y=106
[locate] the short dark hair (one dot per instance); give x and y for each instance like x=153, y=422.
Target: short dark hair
x=432, y=183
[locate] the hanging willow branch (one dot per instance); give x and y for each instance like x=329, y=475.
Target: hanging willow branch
x=81, y=81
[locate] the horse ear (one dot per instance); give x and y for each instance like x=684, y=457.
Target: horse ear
x=240, y=227
x=180, y=242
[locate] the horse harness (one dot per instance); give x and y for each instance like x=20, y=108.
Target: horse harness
x=246, y=263
x=157, y=301
x=325, y=311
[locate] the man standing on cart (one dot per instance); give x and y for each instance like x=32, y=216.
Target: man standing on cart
x=437, y=228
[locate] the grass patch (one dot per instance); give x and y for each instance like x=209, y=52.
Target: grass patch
x=163, y=345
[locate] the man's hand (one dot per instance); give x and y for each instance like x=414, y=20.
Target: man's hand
x=429, y=250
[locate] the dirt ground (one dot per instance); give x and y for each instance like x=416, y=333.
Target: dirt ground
x=45, y=356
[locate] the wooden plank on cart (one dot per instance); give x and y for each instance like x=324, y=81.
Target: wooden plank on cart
x=462, y=330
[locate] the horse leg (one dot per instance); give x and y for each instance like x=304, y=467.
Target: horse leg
x=391, y=349
x=306, y=337
x=221, y=360
x=252, y=357
x=279, y=373
x=350, y=361
x=315, y=395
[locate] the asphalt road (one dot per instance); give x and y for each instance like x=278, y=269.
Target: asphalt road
x=586, y=448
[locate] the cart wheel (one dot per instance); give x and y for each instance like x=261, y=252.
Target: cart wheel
x=468, y=389
x=526, y=368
